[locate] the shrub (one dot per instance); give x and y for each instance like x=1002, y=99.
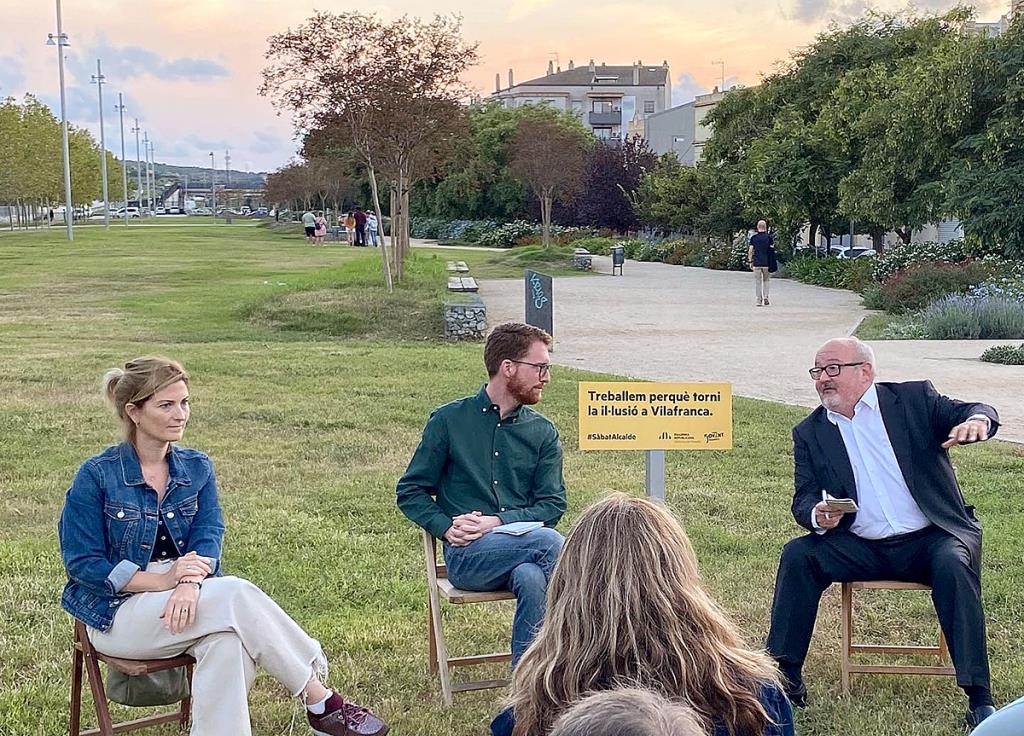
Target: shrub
x=505, y=236
x=1005, y=354
x=872, y=296
x=681, y=252
x=961, y=317
x=900, y=256
x=918, y=284
x=835, y=273
x=905, y=328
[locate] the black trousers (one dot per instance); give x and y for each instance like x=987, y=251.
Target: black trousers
x=931, y=556
x=360, y=235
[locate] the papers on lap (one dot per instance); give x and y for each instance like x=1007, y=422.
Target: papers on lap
x=518, y=528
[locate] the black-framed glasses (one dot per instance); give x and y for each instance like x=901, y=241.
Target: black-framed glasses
x=832, y=369
x=542, y=368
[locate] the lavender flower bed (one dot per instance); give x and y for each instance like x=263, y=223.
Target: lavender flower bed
x=974, y=317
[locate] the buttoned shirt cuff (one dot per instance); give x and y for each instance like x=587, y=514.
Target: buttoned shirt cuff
x=987, y=420
x=123, y=572
x=814, y=523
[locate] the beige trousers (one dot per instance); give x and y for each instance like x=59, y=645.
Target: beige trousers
x=237, y=626
x=761, y=278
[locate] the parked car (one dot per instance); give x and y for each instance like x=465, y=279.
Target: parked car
x=201, y=211
x=856, y=251
x=175, y=211
x=130, y=212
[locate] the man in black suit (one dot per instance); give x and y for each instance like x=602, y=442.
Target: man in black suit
x=885, y=446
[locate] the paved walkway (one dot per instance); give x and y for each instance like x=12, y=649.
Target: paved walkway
x=672, y=323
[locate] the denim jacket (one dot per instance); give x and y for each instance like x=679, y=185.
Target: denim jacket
x=108, y=526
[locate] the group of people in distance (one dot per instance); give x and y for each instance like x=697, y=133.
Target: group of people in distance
x=360, y=227
x=614, y=631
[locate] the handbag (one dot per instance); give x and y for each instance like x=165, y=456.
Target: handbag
x=773, y=262
x=156, y=688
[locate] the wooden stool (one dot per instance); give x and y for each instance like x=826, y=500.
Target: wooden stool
x=849, y=648
x=85, y=654
x=437, y=655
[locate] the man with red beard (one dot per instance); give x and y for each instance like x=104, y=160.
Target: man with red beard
x=884, y=445
x=488, y=460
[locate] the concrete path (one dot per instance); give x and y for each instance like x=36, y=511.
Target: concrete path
x=672, y=323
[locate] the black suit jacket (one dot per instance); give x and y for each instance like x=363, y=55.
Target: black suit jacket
x=917, y=419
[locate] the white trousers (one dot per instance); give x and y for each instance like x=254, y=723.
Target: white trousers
x=237, y=626
x=761, y=278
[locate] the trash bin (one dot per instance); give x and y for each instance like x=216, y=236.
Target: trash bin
x=618, y=258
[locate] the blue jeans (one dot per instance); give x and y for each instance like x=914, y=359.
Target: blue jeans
x=504, y=562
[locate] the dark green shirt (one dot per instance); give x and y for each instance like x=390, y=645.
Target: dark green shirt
x=472, y=459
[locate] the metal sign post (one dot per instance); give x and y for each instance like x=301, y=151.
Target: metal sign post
x=654, y=474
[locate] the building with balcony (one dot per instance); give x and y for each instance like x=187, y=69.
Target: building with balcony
x=613, y=101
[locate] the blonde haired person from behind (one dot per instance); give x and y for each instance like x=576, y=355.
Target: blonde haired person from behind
x=626, y=606
x=141, y=535
x=628, y=712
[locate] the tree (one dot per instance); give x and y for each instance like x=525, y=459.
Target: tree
x=612, y=173
x=985, y=181
x=547, y=156
x=394, y=88
x=669, y=196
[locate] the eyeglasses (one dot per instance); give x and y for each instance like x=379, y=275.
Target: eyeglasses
x=543, y=369
x=832, y=369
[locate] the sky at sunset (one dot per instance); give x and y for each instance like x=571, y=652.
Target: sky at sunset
x=189, y=69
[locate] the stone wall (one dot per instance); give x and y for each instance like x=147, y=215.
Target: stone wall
x=465, y=320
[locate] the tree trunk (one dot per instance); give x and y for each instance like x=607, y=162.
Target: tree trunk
x=383, y=246
x=393, y=201
x=877, y=239
x=904, y=234
x=545, y=218
x=406, y=220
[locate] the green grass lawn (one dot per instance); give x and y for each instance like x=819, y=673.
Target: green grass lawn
x=310, y=389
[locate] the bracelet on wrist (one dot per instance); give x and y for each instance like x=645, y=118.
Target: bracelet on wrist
x=196, y=583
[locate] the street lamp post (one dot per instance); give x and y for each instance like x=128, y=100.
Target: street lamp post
x=60, y=41
x=138, y=166
x=213, y=186
x=99, y=80
x=124, y=162
x=145, y=149
x=152, y=179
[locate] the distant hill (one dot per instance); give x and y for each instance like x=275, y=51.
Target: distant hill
x=199, y=176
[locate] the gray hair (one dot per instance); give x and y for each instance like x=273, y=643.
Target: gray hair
x=861, y=350
x=628, y=712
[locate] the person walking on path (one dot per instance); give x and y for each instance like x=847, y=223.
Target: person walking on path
x=309, y=225
x=760, y=255
x=371, y=228
x=360, y=218
x=320, y=229
x=350, y=228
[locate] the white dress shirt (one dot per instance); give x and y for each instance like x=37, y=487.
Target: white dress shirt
x=886, y=507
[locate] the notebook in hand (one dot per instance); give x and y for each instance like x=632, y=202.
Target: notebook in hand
x=518, y=528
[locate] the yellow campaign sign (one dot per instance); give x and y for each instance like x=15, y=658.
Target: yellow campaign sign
x=633, y=415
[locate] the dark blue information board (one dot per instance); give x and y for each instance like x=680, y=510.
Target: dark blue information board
x=538, y=301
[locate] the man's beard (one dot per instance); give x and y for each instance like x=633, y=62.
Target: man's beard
x=830, y=400
x=525, y=393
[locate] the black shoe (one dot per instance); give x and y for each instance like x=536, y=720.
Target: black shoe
x=979, y=714
x=796, y=692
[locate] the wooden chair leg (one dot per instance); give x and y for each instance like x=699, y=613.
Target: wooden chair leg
x=99, y=695
x=943, y=648
x=431, y=639
x=75, y=724
x=442, y=650
x=847, y=636
x=186, y=703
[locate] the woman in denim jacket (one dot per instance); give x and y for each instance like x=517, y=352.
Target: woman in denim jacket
x=141, y=534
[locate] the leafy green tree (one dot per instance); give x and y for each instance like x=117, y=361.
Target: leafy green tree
x=985, y=181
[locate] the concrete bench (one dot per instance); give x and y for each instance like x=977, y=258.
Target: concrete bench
x=462, y=283
x=582, y=260
x=458, y=266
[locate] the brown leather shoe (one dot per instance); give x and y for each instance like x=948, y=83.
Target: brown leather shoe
x=348, y=720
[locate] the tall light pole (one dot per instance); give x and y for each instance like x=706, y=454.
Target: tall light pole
x=145, y=149
x=60, y=41
x=99, y=80
x=721, y=64
x=227, y=177
x=213, y=186
x=151, y=171
x=124, y=162
x=138, y=165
